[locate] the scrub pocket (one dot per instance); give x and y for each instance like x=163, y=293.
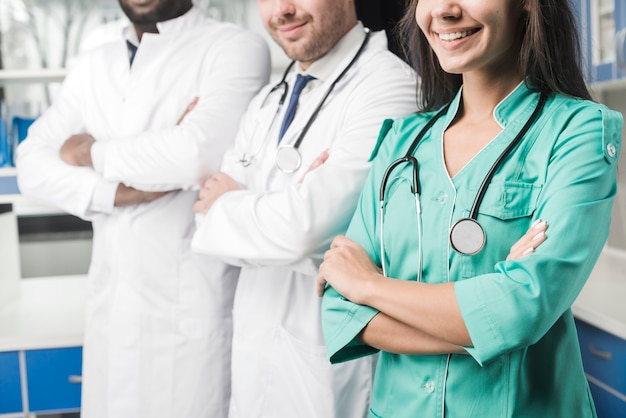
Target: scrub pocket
x=511, y=200
x=505, y=214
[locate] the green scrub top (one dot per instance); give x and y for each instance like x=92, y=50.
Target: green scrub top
x=525, y=360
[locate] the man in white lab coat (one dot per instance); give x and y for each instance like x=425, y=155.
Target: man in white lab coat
x=277, y=224
x=158, y=317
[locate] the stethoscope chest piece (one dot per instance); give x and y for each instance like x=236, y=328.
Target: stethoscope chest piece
x=288, y=159
x=467, y=236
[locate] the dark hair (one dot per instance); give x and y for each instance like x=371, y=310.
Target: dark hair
x=550, y=55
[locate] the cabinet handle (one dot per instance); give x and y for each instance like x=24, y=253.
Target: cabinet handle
x=75, y=379
x=604, y=355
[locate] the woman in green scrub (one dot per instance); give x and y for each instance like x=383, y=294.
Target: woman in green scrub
x=460, y=332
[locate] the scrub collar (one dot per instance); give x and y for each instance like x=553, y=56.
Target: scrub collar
x=513, y=106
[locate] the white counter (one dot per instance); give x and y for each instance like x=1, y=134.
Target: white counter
x=602, y=302
x=49, y=313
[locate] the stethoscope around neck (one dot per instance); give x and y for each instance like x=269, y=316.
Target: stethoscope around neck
x=467, y=236
x=287, y=157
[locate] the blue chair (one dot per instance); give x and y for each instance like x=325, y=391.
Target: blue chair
x=19, y=130
x=20, y=127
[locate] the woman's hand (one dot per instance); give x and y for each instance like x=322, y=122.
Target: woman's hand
x=347, y=268
x=533, y=238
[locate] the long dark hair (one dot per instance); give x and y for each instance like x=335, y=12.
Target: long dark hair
x=549, y=58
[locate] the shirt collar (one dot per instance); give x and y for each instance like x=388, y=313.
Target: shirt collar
x=323, y=68
x=165, y=27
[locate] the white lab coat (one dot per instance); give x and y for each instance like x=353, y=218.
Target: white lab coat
x=158, y=317
x=278, y=230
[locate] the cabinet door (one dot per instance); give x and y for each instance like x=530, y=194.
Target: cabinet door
x=608, y=405
x=10, y=383
x=49, y=372
x=604, y=355
x=604, y=360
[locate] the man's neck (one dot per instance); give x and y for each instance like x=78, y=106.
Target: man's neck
x=141, y=29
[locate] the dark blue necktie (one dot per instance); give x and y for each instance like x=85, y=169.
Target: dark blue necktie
x=132, y=50
x=301, y=82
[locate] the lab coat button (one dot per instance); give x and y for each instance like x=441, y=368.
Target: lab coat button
x=611, y=150
x=442, y=198
x=428, y=387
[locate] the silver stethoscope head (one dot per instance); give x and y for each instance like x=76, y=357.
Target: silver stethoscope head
x=467, y=236
x=288, y=159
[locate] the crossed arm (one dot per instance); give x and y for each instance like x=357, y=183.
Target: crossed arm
x=220, y=183
x=76, y=151
x=413, y=318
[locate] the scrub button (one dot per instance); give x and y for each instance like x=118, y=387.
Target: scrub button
x=428, y=387
x=611, y=150
x=442, y=198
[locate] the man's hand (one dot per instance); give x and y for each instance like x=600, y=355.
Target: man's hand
x=191, y=106
x=77, y=150
x=126, y=196
x=213, y=188
x=321, y=159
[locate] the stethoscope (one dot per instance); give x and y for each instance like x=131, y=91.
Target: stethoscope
x=287, y=157
x=466, y=236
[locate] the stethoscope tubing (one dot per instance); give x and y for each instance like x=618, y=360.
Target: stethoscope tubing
x=316, y=112
x=485, y=183
x=472, y=219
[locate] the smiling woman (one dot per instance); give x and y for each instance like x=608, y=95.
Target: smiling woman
x=506, y=121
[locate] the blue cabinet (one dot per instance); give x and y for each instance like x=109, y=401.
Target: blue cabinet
x=40, y=381
x=10, y=383
x=53, y=379
x=604, y=360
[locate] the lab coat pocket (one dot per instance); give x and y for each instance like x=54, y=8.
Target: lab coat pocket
x=300, y=377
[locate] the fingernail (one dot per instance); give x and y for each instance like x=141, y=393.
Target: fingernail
x=528, y=251
x=538, y=224
x=539, y=236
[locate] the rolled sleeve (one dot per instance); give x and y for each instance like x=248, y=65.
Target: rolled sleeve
x=343, y=321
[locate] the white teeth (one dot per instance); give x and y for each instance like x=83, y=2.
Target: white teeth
x=454, y=36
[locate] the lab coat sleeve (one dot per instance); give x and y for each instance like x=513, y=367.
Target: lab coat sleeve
x=183, y=155
x=516, y=305
x=43, y=176
x=295, y=225
x=343, y=320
